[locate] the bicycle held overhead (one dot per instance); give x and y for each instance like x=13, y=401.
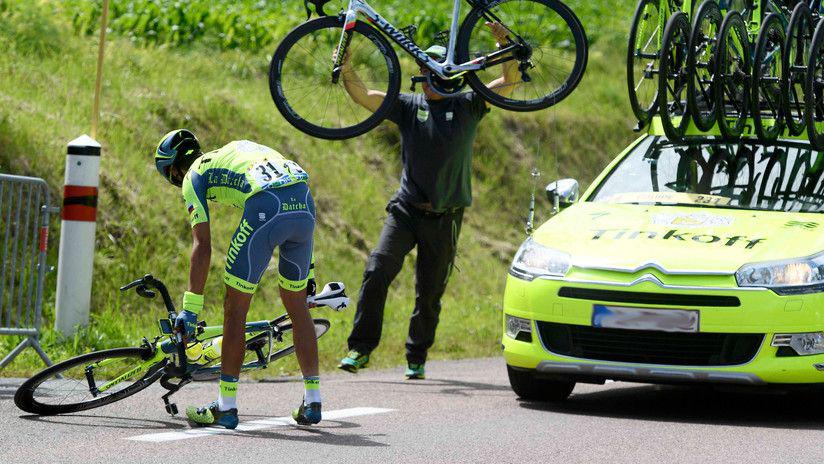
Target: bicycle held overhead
x=544, y=38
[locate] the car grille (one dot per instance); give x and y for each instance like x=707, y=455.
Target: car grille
x=649, y=347
x=669, y=299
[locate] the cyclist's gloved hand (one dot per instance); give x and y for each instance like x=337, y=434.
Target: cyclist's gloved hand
x=311, y=287
x=186, y=321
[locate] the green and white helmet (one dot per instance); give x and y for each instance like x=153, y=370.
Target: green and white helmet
x=178, y=147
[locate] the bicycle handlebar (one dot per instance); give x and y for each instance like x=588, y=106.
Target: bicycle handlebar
x=147, y=282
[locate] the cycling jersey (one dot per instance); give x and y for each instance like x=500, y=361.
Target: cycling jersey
x=278, y=211
x=233, y=173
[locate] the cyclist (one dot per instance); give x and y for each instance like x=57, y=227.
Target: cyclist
x=278, y=211
x=437, y=133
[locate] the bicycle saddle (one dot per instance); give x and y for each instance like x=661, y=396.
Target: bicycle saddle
x=333, y=295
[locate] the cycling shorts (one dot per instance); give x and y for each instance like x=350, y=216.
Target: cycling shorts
x=279, y=217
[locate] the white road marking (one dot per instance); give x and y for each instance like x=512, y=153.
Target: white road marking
x=260, y=424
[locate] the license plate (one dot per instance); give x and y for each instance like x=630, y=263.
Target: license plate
x=661, y=320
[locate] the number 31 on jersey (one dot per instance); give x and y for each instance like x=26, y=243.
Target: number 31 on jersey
x=277, y=173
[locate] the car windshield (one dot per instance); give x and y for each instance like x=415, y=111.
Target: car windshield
x=779, y=177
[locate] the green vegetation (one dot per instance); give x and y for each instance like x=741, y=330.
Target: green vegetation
x=218, y=87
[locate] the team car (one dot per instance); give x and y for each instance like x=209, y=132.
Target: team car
x=698, y=261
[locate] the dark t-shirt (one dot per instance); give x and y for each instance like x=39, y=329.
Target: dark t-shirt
x=436, y=145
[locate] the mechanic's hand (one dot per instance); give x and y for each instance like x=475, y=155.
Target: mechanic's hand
x=186, y=323
x=499, y=32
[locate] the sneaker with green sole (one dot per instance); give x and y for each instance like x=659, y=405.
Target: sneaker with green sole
x=354, y=361
x=414, y=372
x=307, y=414
x=211, y=415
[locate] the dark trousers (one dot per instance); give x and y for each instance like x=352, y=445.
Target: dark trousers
x=436, y=237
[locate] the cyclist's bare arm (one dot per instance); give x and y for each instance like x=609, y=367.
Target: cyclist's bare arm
x=367, y=98
x=201, y=257
x=503, y=85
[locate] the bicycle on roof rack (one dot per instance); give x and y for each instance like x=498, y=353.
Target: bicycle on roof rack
x=736, y=68
x=544, y=38
x=103, y=377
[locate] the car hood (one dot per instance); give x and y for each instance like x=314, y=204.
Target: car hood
x=679, y=238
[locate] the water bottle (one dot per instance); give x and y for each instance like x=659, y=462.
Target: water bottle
x=212, y=349
x=206, y=352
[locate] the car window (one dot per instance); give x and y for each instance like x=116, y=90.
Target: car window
x=780, y=177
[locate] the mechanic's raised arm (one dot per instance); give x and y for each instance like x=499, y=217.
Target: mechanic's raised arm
x=201, y=257
x=509, y=78
x=367, y=98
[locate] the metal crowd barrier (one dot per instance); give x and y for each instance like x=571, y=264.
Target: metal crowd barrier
x=25, y=207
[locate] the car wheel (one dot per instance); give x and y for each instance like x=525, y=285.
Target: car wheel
x=527, y=386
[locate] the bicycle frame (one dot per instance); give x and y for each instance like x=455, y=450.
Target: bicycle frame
x=449, y=69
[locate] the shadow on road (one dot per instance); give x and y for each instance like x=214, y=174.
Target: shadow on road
x=799, y=409
x=94, y=421
x=321, y=435
x=447, y=387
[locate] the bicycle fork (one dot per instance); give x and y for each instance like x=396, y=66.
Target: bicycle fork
x=343, y=44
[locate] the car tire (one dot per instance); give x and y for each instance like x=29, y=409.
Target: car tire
x=528, y=387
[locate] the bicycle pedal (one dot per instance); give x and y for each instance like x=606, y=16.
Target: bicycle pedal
x=171, y=408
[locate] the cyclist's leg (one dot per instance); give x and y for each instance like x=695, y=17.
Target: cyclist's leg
x=295, y=258
x=396, y=240
x=250, y=251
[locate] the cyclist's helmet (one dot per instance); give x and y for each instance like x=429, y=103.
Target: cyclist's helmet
x=177, y=148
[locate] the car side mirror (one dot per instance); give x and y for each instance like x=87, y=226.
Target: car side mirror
x=562, y=193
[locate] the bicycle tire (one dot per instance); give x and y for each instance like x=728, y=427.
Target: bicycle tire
x=363, y=119
x=794, y=63
x=766, y=79
x=673, y=77
x=649, y=51
x=704, y=39
x=734, y=74
x=814, y=89
x=26, y=396
x=572, y=77
x=213, y=371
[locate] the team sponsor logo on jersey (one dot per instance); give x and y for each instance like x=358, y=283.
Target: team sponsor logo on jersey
x=243, y=234
x=292, y=205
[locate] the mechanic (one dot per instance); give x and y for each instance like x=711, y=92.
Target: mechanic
x=437, y=133
x=278, y=211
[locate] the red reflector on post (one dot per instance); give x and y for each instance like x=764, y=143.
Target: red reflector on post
x=79, y=203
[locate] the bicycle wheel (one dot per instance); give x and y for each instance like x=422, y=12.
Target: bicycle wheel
x=794, y=65
x=643, y=59
x=733, y=76
x=300, y=78
x=672, y=99
x=67, y=386
x=704, y=40
x=278, y=349
x=551, y=65
x=814, y=89
x=767, y=115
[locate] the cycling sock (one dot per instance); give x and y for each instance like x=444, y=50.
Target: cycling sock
x=312, y=389
x=228, y=393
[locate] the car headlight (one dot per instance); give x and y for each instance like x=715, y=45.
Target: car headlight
x=790, y=277
x=535, y=260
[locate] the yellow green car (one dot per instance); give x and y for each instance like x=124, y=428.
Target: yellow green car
x=699, y=262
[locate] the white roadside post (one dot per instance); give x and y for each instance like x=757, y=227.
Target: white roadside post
x=77, y=230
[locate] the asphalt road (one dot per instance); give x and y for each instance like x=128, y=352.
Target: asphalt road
x=464, y=412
